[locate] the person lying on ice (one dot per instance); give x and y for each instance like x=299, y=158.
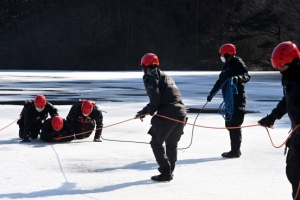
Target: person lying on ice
x=56, y=129
x=32, y=116
x=83, y=116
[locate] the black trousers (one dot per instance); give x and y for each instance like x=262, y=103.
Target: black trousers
x=168, y=132
x=34, y=130
x=235, y=134
x=82, y=128
x=293, y=164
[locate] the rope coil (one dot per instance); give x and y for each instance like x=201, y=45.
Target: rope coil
x=226, y=108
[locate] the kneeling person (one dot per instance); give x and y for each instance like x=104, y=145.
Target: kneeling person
x=56, y=130
x=33, y=115
x=83, y=117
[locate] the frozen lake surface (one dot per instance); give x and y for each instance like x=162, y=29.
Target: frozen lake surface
x=121, y=166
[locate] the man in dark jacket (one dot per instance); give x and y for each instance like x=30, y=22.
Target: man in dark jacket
x=56, y=130
x=83, y=116
x=32, y=116
x=165, y=99
x=236, y=69
x=286, y=58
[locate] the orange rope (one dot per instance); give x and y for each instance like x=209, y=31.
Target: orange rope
x=58, y=138
x=211, y=127
x=286, y=138
x=234, y=127
x=10, y=123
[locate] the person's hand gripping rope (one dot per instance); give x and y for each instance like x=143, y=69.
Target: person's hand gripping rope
x=140, y=115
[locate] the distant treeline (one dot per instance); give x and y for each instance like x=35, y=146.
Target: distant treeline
x=115, y=34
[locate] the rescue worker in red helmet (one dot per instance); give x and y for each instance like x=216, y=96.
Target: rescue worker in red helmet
x=286, y=58
x=83, y=116
x=235, y=68
x=56, y=129
x=33, y=114
x=165, y=99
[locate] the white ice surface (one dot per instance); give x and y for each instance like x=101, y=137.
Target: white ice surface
x=83, y=169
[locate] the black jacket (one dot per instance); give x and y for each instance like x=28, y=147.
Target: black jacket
x=48, y=134
x=31, y=115
x=290, y=103
x=235, y=67
x=75, y=114
x=164, y=96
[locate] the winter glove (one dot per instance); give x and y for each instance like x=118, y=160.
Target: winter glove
x=26, y=138
x=267, y=121
x=140, y=115
x=209, y=98
x=97, y=136
x=235, y=79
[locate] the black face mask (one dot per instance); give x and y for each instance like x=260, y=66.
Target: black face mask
x=151, y=67
x=293, y=71
x=227, y=56
x=144, y=68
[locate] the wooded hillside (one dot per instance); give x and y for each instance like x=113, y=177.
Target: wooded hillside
x=115, y=34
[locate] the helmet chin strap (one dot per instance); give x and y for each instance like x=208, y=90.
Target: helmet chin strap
x=144, y=68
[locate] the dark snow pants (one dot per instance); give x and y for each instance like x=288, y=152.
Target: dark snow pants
x=235, y=134
x=168, y=132
x=293, y=164
x=34, y=130
x=84, y=130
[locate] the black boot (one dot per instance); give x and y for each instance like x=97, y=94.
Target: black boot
x=20, y=134
x=26, y=139
x=162, y=177
x=232, y=154
x=172, y=167
x=97, y=139
x=235, y=149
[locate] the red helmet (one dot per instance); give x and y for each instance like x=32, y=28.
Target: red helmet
x=87, y=107
x=57, y=123
x=150, y=59
x=284, y=53
x=40, y=101
x=227, y=49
